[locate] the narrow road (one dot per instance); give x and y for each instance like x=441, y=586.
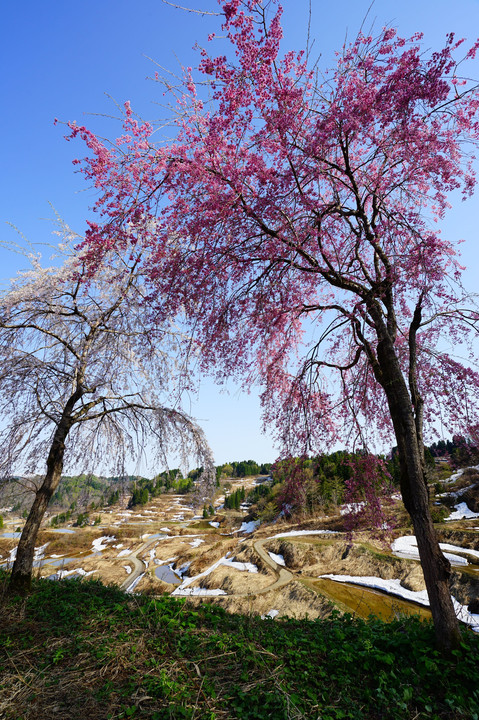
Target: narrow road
x=284, y=576
x=139, y=565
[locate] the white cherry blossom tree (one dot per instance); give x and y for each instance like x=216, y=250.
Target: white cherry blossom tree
x=87, y=378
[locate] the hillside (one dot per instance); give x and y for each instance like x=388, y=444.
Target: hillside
x=297, y=640
x=299, y=566
x=78, y=649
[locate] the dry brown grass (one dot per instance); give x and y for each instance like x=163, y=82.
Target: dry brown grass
x=313, y=557
x=294, y=601
x=235, y=582
x=468, y=477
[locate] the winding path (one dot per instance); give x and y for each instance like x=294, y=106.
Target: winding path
x=139, y=565
x=283, y=576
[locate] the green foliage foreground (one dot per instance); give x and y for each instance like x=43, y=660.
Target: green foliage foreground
x=77, y=649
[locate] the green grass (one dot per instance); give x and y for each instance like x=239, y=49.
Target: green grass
x=80, y=650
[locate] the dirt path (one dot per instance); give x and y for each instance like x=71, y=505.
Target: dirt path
x=139, y=565
x=284, y=576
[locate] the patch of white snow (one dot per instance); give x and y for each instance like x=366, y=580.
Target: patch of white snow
x=199, y=592
x=222, y=561
x=98, y=545
x=181, y=571
x=248, y=527
x=65, y=573
x=462, y=512
x=39, y=553
x=351, y=508
x=406, y=547
x=127, y=551
x=196, y=542
x=394, y=587
x=271, y=615
x=133, y=585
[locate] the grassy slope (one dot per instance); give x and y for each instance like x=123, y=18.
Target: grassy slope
x=82, y=650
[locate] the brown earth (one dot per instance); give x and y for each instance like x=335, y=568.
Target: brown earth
x=295, y=592
x=312, y=557
x=471, y=497
x=294, y=600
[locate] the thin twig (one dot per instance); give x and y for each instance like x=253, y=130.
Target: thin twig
x=198, y=12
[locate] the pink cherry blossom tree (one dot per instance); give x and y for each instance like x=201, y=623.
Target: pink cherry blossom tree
x=297, y=224
x=85, y=379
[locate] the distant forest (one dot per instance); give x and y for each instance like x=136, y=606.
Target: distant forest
x=79, y=498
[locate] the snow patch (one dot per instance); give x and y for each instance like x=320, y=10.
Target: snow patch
x=39, y=553
x=163, y=562
x=65, y=573
x=406, y=547
x=248, y=527
x=196, y=542
x=243, y=566
x=462, y=512
x=199, y=592
x=351, y=508
x=98, y=545
x=394, y=587
x=278, y=559
x=183, y=569
x=271, y=614
x=455, y=476
x=133, y=585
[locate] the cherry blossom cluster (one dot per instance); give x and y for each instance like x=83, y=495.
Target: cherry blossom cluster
x=292, y=220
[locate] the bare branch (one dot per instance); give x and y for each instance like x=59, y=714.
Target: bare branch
x=191, y=10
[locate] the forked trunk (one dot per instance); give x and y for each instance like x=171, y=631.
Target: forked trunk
x=436, y=567
x=21, y=577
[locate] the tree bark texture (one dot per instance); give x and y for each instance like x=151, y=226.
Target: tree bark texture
x=436, y=567
x=21, y=576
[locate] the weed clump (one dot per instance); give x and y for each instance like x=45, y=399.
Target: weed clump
x=76, y=649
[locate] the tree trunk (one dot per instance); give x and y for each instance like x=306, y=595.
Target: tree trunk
x=21, y=577
x=436, y=567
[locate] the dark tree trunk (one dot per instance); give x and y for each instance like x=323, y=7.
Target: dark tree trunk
x=21, y=577
x=436, y=567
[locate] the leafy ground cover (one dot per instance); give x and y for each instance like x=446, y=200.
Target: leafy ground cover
x=76, y=649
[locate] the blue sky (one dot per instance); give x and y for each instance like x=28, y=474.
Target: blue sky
x=68, y=60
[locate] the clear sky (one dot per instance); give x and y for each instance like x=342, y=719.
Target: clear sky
x=71, y=61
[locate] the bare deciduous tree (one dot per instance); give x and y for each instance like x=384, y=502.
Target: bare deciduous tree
x=86, y=379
